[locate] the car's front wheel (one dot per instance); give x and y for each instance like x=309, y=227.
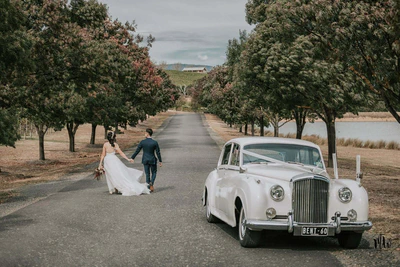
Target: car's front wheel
x=210, y=218
x=349, y=239
x=247, y=237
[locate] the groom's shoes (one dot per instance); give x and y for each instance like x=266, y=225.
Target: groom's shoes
x=151, y=188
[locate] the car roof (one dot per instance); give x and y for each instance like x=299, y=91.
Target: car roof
x=243, y=141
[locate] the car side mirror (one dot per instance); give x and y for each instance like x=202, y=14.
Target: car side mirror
x=242, y=169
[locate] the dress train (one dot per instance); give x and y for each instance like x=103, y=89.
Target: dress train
x=124, y=179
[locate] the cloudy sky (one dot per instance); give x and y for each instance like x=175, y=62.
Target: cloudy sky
x=186, y=31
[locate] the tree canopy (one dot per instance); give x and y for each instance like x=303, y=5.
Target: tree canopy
x=78, y=66
x=309, y=58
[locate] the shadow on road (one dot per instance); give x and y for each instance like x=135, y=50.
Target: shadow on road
x=170, y=143
x=283, y=240
x=12, y=221
x=159, y=189
x=82, y=185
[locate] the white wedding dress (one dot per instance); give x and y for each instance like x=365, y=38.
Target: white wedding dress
x=124, y=179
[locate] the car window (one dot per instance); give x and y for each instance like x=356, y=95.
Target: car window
x=227, y=152
x=283, y=152
x=235, y=158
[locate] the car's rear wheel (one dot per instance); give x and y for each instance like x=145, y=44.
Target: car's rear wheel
x=349, y=239
x=210, y=218
x=247, y=237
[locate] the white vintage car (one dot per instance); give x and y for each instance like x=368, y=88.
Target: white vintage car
x=268, y=183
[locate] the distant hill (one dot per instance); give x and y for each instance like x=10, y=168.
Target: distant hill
x=181, y=66
x=184, y=78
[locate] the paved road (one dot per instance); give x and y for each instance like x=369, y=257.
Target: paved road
x=82, y=225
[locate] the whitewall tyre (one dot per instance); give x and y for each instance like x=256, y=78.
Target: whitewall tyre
x=247, y=238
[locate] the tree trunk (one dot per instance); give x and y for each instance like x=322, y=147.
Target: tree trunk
x=26, y=129
x=93, y=134
x=246, y=126
x=41, y=131
x=331, y=132
x=390, y=108
x=241, y=128
x=261, y=120
x=105, y=131
x=41, y=146
x=276, y=128
x=72, y=128
x=300, y=118
x=252, y=127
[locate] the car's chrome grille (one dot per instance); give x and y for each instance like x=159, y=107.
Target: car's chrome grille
x=310, y=200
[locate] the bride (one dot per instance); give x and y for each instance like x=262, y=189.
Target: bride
x=119, y=177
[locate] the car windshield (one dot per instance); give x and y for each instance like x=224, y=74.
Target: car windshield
x=290, y=153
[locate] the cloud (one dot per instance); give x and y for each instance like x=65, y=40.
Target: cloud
x=189, y=31
x=202, y=57
x=181, y=36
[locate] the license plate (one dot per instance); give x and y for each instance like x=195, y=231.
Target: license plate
x=314, y=231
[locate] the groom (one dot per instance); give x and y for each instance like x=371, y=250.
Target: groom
x=149, y=160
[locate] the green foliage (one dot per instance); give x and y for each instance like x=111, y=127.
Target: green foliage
x=8, y=127
x=308, y=57
x=88, y=13
x=15, y=61
x=369, y=40
x=80, y=67
x=217, y=91
x=293, y=59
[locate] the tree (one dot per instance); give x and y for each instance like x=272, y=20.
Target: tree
x=105, y=100
x=84, y=68
x=369, y=35
x=93, y=61
x=252, y=88
x=177, y=66
x=15, y=47
x=163, y=65
x=255, y=11
x=300, y=60
x=233, y=62
x=41, y=95
x=9, y=127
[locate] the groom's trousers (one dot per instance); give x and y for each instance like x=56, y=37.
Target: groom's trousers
x=153, y=169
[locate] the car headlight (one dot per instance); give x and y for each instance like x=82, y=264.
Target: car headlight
x=345, y=194
x=277, y=193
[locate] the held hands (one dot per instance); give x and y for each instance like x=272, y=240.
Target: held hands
x=160, y=164
x=131, y=160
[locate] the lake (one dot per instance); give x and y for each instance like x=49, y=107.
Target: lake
x=373, y=131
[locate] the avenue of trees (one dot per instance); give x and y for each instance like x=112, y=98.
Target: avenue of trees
x=307, y=59
x=66, y=63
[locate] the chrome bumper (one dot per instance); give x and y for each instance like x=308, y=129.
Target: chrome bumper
x=334, y=227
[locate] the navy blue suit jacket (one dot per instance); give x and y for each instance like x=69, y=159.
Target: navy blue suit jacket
x=149, y=146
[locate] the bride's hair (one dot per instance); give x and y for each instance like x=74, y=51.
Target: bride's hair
x=111, y=138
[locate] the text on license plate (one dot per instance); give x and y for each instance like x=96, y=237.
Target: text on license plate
x=314, y=231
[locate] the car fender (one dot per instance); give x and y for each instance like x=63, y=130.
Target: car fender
x=359, y=200
x=210, y=187
x=251, y=194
